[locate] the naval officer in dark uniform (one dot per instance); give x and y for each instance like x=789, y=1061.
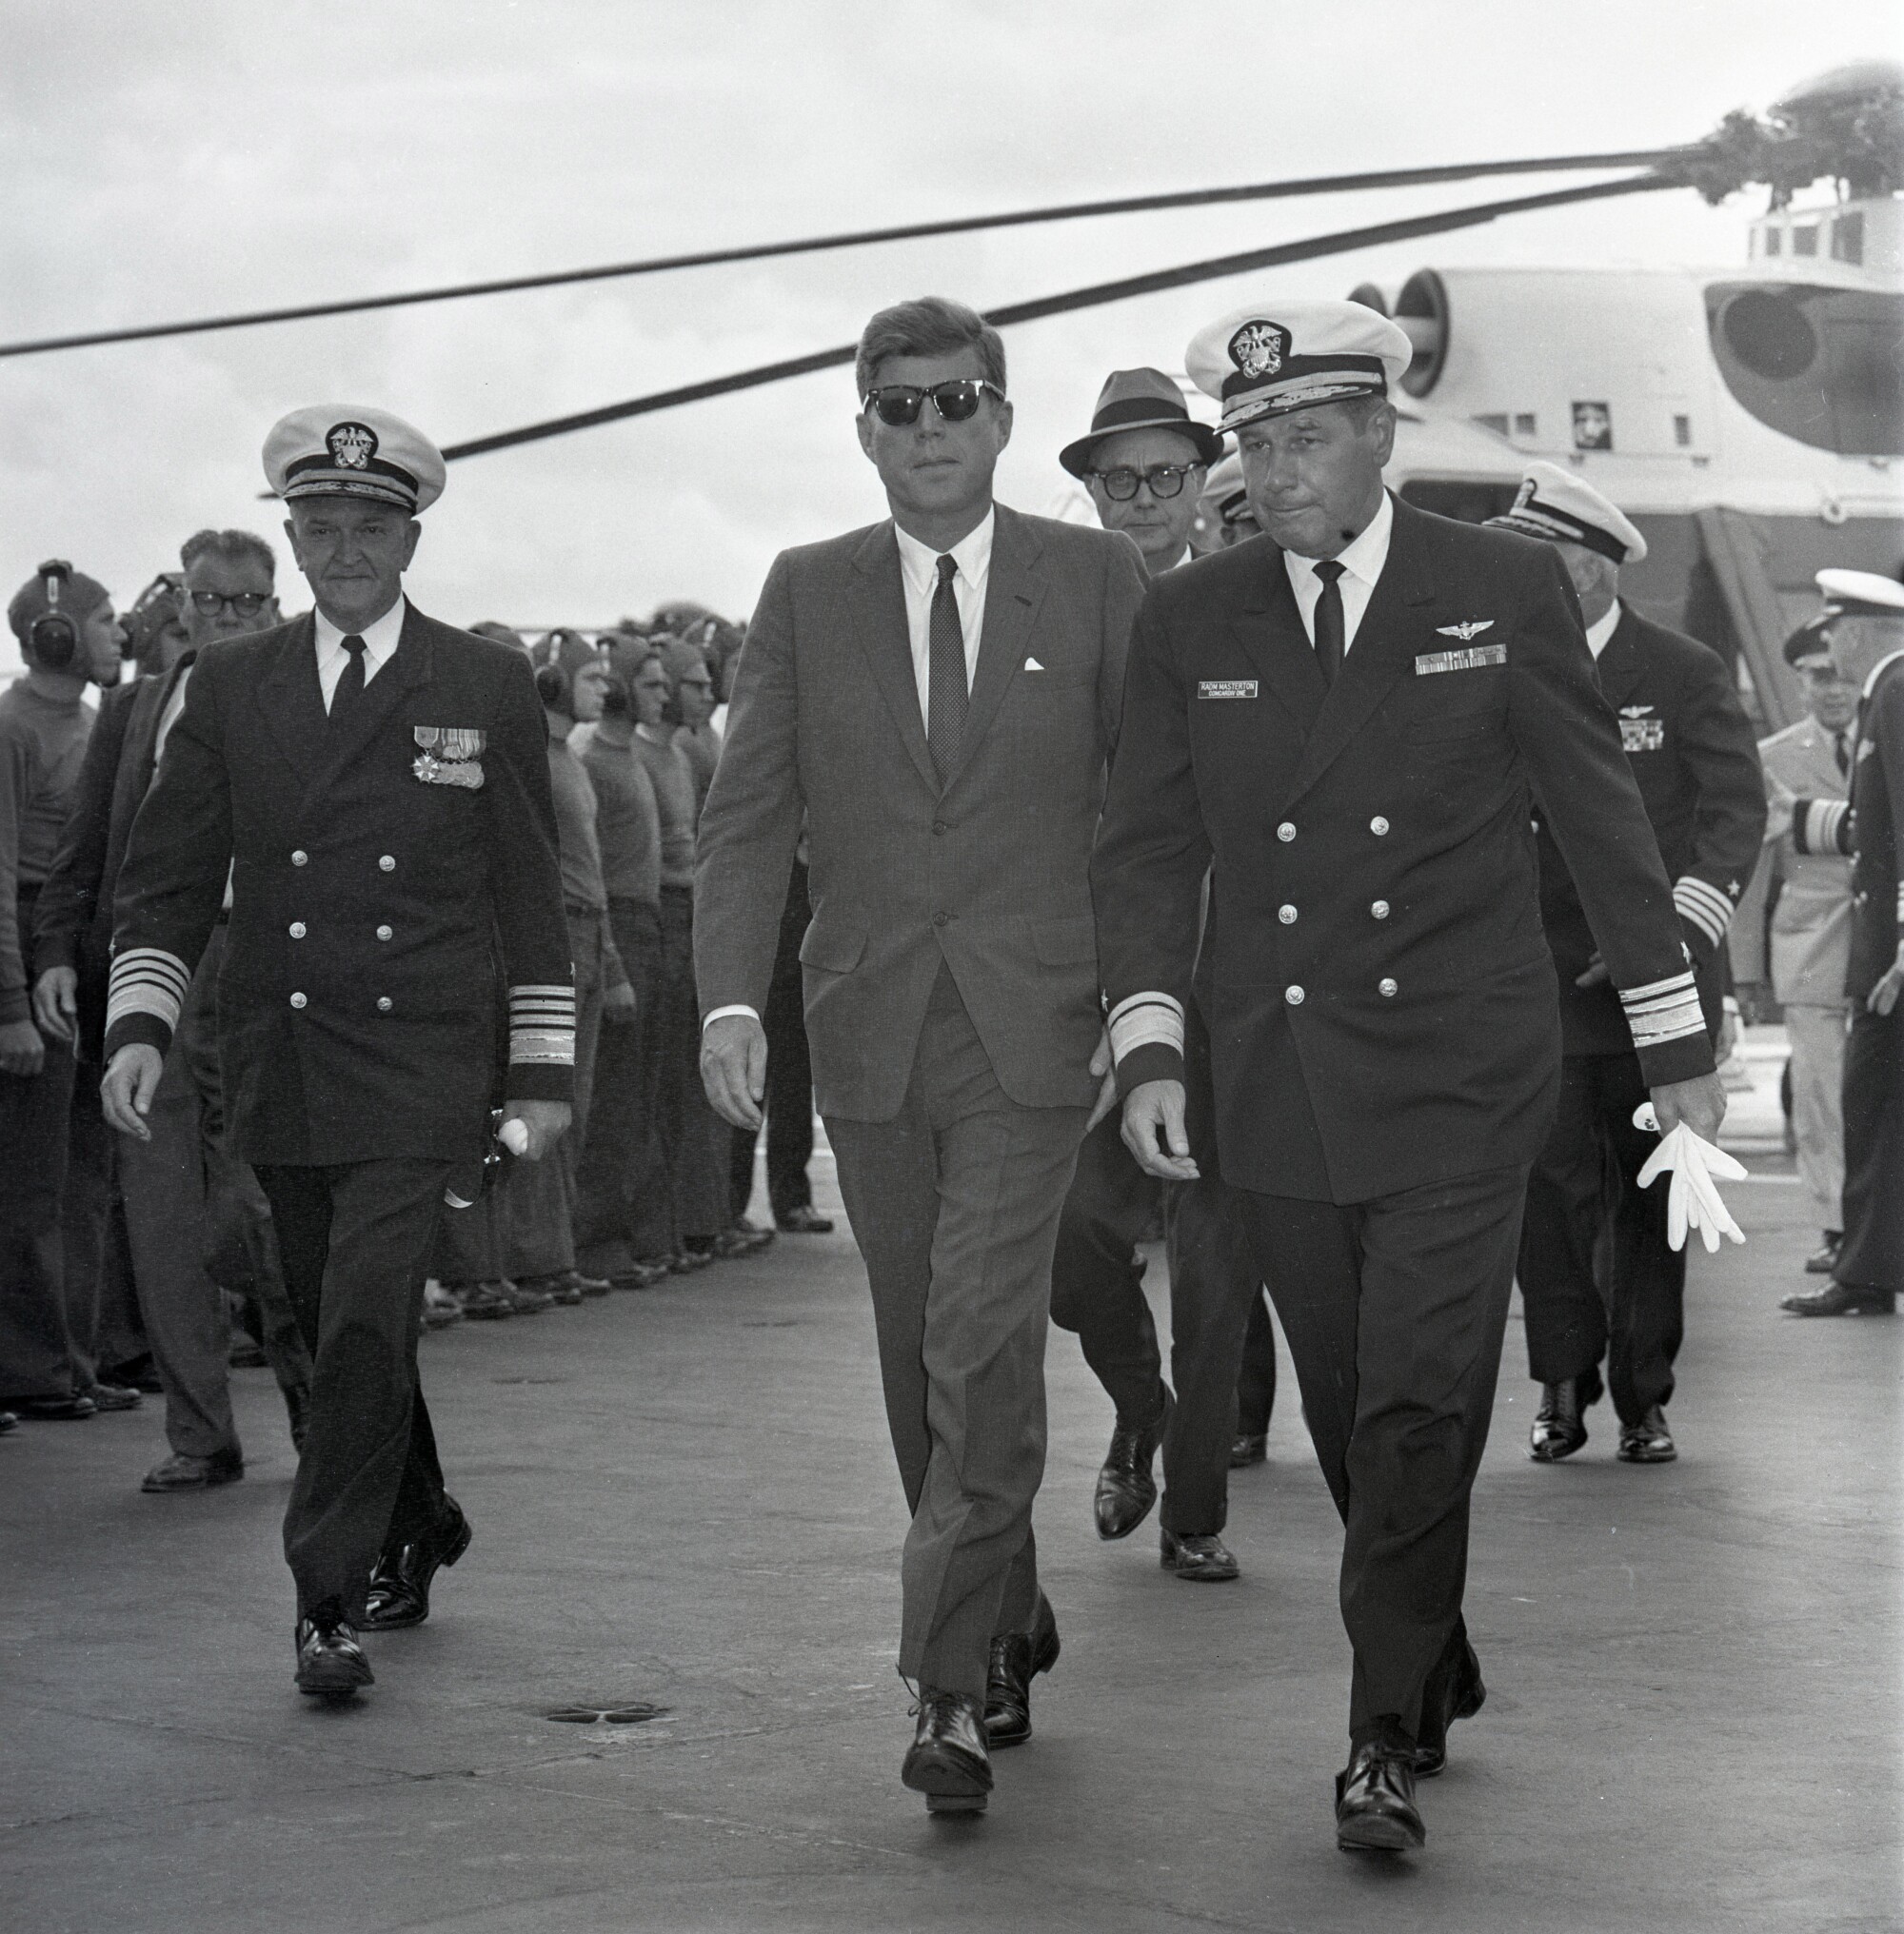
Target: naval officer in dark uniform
x=1347, y=727
x=375, y=786
x=1864, y=615
x=1692, y=750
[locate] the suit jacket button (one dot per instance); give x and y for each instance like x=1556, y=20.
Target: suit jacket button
x=1377, y=825
x=1294, y=996
x=298, y=1001
x=387, y=864
x=1859, y=899
x=1286, y=832
x=938, y=825
x=1386, y=988
x=1286, y=915
x=383, y=933
x=940, y=919
x=299, y=857
x=298, y=930
x=1380, y=910
x=385, y=1003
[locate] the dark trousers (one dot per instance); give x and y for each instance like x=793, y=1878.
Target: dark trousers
x=35, y=1357
x=694, y=1140
x=1394, y=1310
x=103, y=1327
x=789, y=1094
x=1873, y=1255
x=539, y=1198
x=1585, y=1207
x=955, y=1206
x=621, y=1210
x=355, y=1239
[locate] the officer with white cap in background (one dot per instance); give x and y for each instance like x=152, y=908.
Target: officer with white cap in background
x=1690, y=748
x=375, y=787
x=1343, y=727
x=1865, y=618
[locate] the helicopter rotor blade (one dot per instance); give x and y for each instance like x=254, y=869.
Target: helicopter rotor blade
x=1308, y=185
x=1313, y=249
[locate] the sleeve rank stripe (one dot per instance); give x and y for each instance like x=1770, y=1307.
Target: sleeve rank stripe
x=1702, y=903
x=1817, y=825
x=555, y=1045
x=1663, y=1011
x=148, y=981
x=1144, y=1020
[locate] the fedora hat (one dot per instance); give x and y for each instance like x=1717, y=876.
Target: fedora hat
x=1140, y=400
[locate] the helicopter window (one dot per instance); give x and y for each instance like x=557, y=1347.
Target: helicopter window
x=1774, y=241
x=1682, y=431
x=1805, y=241
x=1525, y=424
x=1495, y=420
x=1848, y=237
x=1820, y=365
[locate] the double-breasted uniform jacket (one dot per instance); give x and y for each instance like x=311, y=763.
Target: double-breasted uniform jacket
x=987, y=875
x=1807, y=951
x=377, y=912
x=74, y=920
x=1690, y=748
x=1380, y=995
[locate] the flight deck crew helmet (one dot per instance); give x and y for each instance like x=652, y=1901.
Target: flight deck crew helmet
x=47, y=611
x=557, y=656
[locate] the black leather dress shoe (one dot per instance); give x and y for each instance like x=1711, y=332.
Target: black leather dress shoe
x=1822, y=1261
x=113, y=1396
x=1126, y=1489
x=8, y=1422
x=482, y=1302
x=1648, y=1441
x=1558, y=1427
x=643, y=1274
x=399, y=1593
x=331, y=1664
x=1017, y=1659
x=1375, y=1797
x=563, y=1289
x=741, y=1238
x=54, y=1410
x=193, y=1473
x=1840, y=1300
x=1454, y=1691
x=1201, y=1556
x=805, y=1220
x=948, y=1761
x=1246, y=1450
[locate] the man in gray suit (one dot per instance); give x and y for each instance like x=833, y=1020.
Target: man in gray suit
x=939, y=694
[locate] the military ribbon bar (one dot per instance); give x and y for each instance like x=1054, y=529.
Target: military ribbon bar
x=1473, y=659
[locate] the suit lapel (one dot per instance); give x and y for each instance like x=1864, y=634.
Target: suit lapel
x=1014, y=590
x=1269, y=628
x=1621, y=664
x=1383, y=651
x=877, y=600
x=141, y=728
x=292, y=701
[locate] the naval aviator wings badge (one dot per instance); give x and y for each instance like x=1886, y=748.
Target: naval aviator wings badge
x=1467, y=629
x=449, y=756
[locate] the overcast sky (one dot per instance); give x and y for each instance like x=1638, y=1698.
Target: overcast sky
x=169, y=161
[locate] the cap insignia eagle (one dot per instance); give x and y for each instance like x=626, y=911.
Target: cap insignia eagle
x=1259, y=349
x=351, y=446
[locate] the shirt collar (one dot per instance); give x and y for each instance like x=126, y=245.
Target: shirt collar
x=1362, y=558
x=380, y=639
x=1602, y=628
x=972, y=554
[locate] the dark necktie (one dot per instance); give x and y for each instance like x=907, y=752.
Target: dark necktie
x=1331, y=639
x=350, y=684
x=946, y=697
x=1841, y=752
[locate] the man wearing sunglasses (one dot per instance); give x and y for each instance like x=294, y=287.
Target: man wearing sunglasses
x=185, y=1200
x=938, y=694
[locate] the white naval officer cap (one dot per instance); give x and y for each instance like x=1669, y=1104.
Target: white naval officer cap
x=1563, y=508
x=335, y=449
x=1224, y=497
x=1272, y=358
x=1860, y=594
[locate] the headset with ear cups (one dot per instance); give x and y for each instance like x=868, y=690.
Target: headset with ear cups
x=53, y=637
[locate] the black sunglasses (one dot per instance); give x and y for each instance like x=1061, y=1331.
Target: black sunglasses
x=1165, y=480
x=898, y=404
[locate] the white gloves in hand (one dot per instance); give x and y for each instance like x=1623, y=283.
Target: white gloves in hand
x=1691, y=1196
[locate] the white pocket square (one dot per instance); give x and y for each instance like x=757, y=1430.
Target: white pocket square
x=1031, y=664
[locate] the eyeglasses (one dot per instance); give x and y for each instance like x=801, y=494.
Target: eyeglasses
x=247, y=604
x=1165, y=480
x=898, y=404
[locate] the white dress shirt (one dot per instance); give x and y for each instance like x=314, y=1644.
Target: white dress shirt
x=918, y=572
x=380, y=643
x=1601, y=630
x=1361, y=564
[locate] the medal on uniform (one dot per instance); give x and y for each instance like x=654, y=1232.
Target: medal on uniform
x=449, y=756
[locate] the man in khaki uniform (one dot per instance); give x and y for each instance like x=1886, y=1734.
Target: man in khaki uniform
x=1805, y=953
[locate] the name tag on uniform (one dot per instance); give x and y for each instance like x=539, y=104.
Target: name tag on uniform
x=450, y=755
x=1226, y=688
x=1470, y=661
x=1642, y=735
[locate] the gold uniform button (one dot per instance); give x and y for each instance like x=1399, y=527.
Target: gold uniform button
x=298, y=930
x=387, y=864
x=298, y=1001
x=1286, y=915
x=1286, y=832
x=384, y=933
x=385, y=1003
x=1294, y=996
x=300, y=857
x=1377, y=825
x=1387, y=989
x=1380, y=910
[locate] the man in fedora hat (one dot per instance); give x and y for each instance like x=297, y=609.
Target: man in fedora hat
x=1143, y=461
